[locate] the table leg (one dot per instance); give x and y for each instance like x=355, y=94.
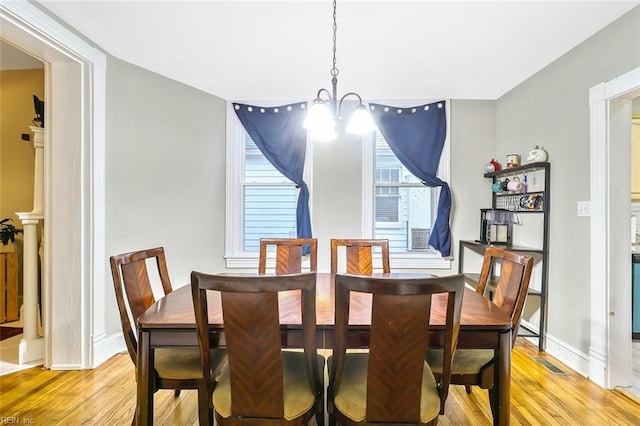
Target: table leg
x=502, y=382
x=144, y=405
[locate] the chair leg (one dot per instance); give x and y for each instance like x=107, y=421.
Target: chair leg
x=320, y=411
x=467, y=388
x=493, y=402
x=332, y=420
x=205, y=409
x=176, y=393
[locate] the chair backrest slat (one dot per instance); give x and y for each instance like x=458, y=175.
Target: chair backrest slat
x=252, y=331
x=133, y=289
x=250, y=309
x=137, y=286
x=400, y=326
x=359, y=255
x=513, y=282
x=288, y=256
x=400, y=320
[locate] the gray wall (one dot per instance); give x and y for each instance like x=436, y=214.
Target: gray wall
x=552, y=109
x=472, y=147
x=165, y=173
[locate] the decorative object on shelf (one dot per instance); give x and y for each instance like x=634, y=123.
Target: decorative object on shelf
x=537, y=155
x=324, y=114
x=531, y=201
x=496, y=187
x=505, y=184
x=495, y=226
x=515, y=185
x=513, y=160
x=8, y=231
x=492, y=166
x=38, y=106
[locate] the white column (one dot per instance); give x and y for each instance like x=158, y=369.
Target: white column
x=32, y=345
x=38, y=178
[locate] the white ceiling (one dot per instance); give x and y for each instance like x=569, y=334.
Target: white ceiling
x=275, y=50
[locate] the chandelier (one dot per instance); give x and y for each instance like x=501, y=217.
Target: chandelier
x=324, y=114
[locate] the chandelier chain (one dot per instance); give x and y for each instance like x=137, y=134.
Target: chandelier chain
x=334, y=70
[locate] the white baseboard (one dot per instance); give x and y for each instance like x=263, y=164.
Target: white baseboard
x=568, y=355
x=107, y=347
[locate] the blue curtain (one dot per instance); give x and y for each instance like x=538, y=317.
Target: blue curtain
x=279, y=134
x=416, y=136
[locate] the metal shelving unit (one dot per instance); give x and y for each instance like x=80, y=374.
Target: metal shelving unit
x=511, y=201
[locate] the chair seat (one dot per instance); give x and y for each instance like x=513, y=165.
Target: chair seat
x=465, y=361
x=183, y=363
x=298, y=397
x=351, y=398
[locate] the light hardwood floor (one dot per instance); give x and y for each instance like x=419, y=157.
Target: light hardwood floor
x=106, y=396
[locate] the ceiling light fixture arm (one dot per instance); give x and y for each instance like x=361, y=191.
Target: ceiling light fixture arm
x=324, y=113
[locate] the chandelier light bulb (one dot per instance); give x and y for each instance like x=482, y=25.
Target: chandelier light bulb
x=320, y=123
x=361, y=121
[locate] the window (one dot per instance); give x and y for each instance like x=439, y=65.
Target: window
x=398, y=207
x=269, y=199
x=260, y=201
x=404, y=208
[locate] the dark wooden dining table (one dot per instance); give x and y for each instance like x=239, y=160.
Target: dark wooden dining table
x=170, y=322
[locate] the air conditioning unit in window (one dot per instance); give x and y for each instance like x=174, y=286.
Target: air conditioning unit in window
x=419, y=238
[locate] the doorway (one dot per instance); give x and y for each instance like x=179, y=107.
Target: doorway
x=74, y=252
x=610, y=106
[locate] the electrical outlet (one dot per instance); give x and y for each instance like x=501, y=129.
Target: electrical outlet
x=584, y=208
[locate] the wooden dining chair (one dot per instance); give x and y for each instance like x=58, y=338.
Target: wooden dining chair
x=359, y=255
x=288, y=254
x=262, y=383
x=392, y=383
x=178, y=368
x=508, y=291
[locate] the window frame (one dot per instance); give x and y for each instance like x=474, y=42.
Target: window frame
x=409, y=260
x=235, y=256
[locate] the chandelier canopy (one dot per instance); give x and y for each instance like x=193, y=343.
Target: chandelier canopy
x=324, y=114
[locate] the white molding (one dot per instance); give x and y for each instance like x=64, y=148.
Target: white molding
x=599, y=236
x=622, y=85
x=418, y=261
x=250, y=262
x=77, y=64
x=573, y=358
x=368, y=152
x=105, y=346
x=610, y=285
x=233, y=198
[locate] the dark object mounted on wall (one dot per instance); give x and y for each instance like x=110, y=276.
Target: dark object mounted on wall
x=25, y=137
x=38, y=105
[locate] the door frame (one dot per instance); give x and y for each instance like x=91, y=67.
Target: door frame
x=610, y=289
x=73, y=278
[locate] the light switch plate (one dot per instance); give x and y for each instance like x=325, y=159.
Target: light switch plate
x=584, y=208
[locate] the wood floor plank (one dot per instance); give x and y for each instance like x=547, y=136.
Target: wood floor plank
x=106, y=396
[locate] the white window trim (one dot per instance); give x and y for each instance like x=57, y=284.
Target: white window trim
x=403, y=260
x=235, y=256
